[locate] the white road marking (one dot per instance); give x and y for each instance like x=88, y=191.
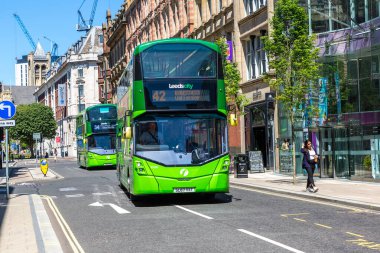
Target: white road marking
x=67, y=189
x=65, y=228
x=75, y=195
x=270, y=241
x=118, y=209
x=101, y=193
x=193, y=212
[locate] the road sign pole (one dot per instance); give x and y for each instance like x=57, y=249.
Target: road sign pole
x=6, y=161
x=36, y=153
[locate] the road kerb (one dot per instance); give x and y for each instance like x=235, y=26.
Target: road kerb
x=311, y=196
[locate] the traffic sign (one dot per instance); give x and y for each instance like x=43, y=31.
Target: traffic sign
x=7, y=123
x=7, y=109
x=36, y=136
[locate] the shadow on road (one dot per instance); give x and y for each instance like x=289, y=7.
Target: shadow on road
x=181, y=199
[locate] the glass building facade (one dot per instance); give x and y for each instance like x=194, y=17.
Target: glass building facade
x=347, y=135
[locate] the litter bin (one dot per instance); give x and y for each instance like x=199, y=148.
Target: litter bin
x=241, y=165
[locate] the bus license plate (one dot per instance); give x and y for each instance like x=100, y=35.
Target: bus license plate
x=182, y=190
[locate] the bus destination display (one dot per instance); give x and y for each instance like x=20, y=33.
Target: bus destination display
x=180, y=95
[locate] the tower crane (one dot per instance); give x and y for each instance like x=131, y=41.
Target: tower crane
x=54, y=47
x=23, y=28
x=82, y=25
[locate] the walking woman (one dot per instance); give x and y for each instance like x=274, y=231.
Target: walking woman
x=310, y=159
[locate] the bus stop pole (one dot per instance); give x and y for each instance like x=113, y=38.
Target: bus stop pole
x=6, y=161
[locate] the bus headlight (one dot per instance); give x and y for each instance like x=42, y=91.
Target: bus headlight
x=140, y=168
x=226, y=164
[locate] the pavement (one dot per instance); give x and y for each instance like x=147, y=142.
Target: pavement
x=26, y=227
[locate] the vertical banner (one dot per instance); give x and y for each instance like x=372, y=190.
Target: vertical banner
x=230, y=55
x=322, y=101
x=61, y=94
x=338, y=97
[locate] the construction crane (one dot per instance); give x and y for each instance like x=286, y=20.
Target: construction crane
x=82, y=25
x=23, y=28
x=54, y=47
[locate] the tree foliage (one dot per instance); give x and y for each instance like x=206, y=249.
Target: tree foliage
x=33, y=118
x=231, y=78
x=293, y=57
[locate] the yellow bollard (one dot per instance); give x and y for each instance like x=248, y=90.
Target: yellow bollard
x=44, y=166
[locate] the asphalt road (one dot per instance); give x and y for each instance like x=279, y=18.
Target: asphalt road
x=103, y=219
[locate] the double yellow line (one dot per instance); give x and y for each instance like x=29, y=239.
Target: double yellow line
x=74, y=244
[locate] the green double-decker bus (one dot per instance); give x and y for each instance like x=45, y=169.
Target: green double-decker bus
x=96, y=136
x=172, y=128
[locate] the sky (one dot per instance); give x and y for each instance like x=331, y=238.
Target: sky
x=55, y=19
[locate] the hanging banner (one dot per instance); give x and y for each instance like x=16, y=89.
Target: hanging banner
x=61, y=94
x=230, y=55
x=322, y=101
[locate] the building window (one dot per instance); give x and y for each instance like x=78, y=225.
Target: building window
x=80, y=72
x=251, y=6
x=81, y=107
x=256, y=57
x=209, y=3
x=80, y=91
x=199, y=5
x=249, y=60
x=220, y=5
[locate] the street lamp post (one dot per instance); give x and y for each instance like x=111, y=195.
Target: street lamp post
x=269, y=100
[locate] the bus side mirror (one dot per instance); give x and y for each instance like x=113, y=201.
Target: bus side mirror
x=128, y=113
x=128, y=132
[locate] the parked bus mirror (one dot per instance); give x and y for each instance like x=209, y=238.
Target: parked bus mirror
x=128, y=132
x=128, y=113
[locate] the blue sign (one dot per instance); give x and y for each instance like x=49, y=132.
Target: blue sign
x=323, y=101
x=7, y=109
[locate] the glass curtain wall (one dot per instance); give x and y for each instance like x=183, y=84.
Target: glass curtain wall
x=348, y=35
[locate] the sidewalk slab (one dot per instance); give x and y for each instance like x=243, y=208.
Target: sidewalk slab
x=16, y=234
x=354, y=193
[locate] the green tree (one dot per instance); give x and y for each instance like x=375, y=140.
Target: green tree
x=231, y=79
x=33, y=118
x=293, y=57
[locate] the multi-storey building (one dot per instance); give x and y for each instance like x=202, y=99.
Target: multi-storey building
x=348, y=36
x=71, y=86
x=21, y=71
x=140, y=21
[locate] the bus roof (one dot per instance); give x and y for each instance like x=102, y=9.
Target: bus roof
x=142, y=47
x=93, y=106
x=98, y=105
